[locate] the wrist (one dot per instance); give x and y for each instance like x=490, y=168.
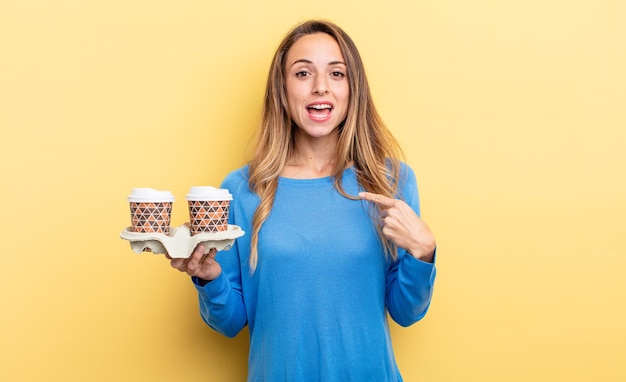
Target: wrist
x=200, y=281
x=422, y=254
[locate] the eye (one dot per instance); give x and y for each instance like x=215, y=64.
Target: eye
x=337, y=74
x=302, y=74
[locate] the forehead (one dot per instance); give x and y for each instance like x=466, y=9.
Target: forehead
x=319, y=48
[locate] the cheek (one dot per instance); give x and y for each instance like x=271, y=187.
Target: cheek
x=345, y=98
x=343, y=91
x=344, y=112
x=294, y=94
x=291, y=101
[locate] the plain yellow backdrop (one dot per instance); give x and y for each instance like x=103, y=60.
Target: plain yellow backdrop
x=512, y=113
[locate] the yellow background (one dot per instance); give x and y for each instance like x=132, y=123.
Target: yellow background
x=512, y=114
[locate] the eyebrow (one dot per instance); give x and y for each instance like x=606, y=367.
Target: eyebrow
x=310, y=62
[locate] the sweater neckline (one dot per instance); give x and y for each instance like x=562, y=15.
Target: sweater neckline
x=325, y=179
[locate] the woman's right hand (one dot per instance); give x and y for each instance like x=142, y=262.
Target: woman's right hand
x=198, y=264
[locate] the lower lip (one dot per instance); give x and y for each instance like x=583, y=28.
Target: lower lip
x=318, y=118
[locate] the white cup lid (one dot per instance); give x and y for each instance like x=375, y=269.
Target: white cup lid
x=202, y=193
x=150, y=195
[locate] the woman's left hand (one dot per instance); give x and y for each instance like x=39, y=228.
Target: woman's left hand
x=403, y=227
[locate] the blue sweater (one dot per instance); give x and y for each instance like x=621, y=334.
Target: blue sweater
x=316, y=306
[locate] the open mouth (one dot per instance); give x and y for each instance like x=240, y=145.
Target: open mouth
x=320, y=111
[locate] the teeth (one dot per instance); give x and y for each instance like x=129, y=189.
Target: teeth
x=320, y=107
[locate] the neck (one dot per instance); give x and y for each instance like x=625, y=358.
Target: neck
x=312, y=158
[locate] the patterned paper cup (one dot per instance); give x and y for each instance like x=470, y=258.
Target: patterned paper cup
x=150, y=210
x=208, y=209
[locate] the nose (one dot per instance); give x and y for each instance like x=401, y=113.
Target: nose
x=320, y=87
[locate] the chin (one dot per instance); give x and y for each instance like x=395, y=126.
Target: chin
x=319, y=132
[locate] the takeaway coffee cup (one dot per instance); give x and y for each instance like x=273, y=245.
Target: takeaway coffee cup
x=150, y=210
x=208, y=209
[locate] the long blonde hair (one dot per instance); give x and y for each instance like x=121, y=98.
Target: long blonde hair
x=364, y=140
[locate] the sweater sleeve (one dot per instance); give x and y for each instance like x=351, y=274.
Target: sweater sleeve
x=221, y=300
x=409, y=289
x=409, y=281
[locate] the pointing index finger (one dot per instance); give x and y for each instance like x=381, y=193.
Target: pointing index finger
x=380, y=200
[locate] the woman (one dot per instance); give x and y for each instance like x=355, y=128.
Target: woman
x=333, y=239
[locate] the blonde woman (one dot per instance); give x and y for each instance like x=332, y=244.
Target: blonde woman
x=333, y=239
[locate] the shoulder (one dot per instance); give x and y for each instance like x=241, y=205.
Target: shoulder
x=237, y=182
x=407, y=186
x=406, y=177
x=236, y=177
x=406, y=171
